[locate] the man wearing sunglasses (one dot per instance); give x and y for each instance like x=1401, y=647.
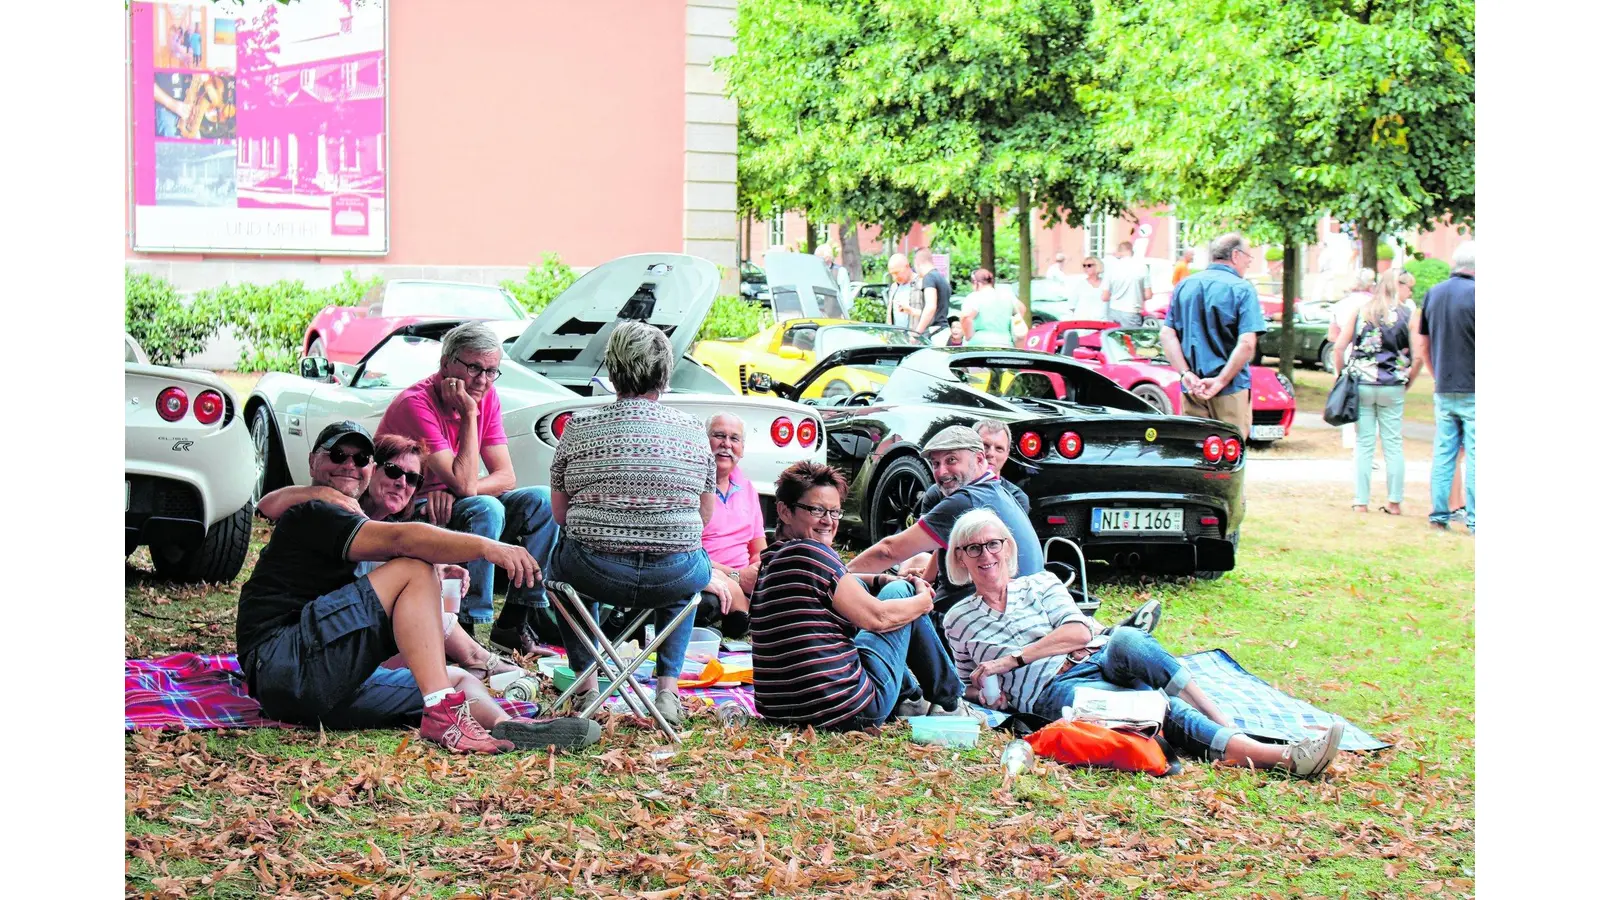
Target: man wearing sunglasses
x=313, y=636
x=470, y=484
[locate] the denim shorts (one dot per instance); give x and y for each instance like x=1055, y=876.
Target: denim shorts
x=325, y=669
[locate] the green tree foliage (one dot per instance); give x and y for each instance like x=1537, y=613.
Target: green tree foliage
x=156, y=317
x=542, y=283
x=1427, y=272
x=271, y=319
x=733, y=317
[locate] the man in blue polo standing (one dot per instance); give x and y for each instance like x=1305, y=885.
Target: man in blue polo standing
x=1211, y=332
x=1446, y=340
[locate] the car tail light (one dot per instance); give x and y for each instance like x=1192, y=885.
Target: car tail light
x=1208, y=520
x=782, y=431
x=1030, y=445
x=1230, y=449
x=172, y=403
x=1070, y=445
x=208, y=407
x=559, y=426
x=806, y=432
x=1213, y=449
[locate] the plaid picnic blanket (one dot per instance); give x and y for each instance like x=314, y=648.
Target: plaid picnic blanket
x=192, y=691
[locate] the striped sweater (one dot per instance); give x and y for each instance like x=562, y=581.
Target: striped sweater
x=807, y=670
x=1035, y=606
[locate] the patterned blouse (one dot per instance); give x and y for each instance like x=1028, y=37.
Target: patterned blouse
x=1381, y=353
x=633, y=472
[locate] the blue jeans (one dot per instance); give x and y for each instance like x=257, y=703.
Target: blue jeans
x=521, y=517
x=1382, y=413
x=665, y=582
x=898, y=662
x=1133, y=661
x=1455, y=424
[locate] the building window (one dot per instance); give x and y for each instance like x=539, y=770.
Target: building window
x=1182, y=237
x=822, y=237
x=775, y=235
x=1094, y=237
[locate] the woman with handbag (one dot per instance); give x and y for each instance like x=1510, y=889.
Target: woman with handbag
x=1381, y=366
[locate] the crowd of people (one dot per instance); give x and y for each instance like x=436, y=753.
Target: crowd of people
x=344, y=622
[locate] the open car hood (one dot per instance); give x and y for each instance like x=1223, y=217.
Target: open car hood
x=672, y=291
x=801, y=287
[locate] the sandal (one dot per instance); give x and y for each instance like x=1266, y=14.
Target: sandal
x=1356, y=507
x=1389, y=512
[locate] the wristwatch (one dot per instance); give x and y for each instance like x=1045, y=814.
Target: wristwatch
x=1017, y=658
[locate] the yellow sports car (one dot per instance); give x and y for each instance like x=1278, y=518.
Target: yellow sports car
x=789, y=349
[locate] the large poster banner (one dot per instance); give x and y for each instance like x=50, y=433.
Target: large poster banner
x=259, y=127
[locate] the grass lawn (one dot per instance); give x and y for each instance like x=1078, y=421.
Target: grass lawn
x=1311, y=387
x=1368, y=616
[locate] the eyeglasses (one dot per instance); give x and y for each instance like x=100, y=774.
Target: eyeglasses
x=821, y=512
x=1088, y=265
x=477, y=371
x=978, y=549
x=730, y=438
x=362, y=458
x=1247, y=254
x=394, y=471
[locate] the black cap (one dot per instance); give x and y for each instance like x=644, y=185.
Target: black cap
x=338, y=431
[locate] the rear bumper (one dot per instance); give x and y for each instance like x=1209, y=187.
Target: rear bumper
x=1203, y=545
x=163, y=511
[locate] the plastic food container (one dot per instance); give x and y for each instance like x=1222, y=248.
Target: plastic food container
x=946, y=731
x=564, y=676
x=704, y=643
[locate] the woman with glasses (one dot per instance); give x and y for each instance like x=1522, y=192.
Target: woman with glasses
x=387, y=498
x=1027, y=632
x=827, y=652
x=632, y=485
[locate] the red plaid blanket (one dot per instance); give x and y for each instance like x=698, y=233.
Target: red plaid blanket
x=188, y=690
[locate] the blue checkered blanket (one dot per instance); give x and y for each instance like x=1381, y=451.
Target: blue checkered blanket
x=1263, y=711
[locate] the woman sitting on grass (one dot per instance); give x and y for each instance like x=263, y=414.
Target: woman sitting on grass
x=826, y=651
x=1028, y=632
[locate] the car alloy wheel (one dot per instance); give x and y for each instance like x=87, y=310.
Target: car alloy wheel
x=1325, y=357
x=897, y=495
x=1154, y=396
x=317, y=348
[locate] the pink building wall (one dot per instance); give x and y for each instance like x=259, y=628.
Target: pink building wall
x=517, y=129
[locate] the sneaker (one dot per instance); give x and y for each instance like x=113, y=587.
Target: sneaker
x=670, y=707
x=1145, y=618
x=1310, y=757
x=568, y=733
x=450, y=724
x=1459, y=515
x=962, y=708
x=581, y=701
x=909, y=708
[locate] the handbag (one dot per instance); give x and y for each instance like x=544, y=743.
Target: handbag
x=1344, y=402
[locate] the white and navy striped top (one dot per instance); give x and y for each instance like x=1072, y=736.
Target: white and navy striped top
x=807, y=671
x=1035, y=606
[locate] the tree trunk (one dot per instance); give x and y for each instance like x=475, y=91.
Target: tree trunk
x=849, y=249
x=1369, y=247
x=1025, y=253
x=749, y=219
x=1291, y=289
x=986, y=236
x=811, y=238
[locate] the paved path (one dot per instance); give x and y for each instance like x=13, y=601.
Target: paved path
x=1325, y=470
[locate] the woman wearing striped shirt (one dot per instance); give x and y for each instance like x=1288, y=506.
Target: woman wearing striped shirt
x=826, y=651
x=1028, y=632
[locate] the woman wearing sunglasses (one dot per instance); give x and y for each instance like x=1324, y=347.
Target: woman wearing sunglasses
x=1028, y=633
x=388, y=496
x=826, y=651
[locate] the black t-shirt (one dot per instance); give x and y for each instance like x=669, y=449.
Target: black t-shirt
x=941, y=316
x=306, y=558
x=985, y=492
x=1449, y=320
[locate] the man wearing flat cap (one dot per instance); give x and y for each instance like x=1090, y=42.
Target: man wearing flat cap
x=312, y=636
x=963, y=475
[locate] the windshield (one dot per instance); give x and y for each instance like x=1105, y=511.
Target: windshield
x=405, y=359
x=834, y=338
x=450, y=301
x=1117, y=346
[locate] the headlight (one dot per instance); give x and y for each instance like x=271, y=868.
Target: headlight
x=1287, y=384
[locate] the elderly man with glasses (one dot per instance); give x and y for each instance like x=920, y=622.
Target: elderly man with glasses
x=1211, y=332
x=736, y=533
x=455, y=413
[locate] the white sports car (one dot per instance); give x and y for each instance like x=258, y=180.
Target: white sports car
x=187, y=465
x=553, y=369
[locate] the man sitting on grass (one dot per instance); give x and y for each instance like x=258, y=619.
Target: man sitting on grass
x=312, y=636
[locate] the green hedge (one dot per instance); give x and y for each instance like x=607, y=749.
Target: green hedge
x=1428, y=273
x=543, y=283
x=161, y=323
x=868, y=309
x=271, y=319
x=733, y=317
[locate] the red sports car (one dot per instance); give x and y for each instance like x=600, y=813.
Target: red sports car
x=347, y=333
x=1155, y=309
x=1132, y=358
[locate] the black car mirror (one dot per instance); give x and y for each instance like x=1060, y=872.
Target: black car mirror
x=316, y=368
x=760, y=382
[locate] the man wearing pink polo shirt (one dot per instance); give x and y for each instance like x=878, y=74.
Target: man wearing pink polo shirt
x=455, y=413
x=736, y=534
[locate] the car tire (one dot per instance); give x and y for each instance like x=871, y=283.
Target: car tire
x=1207, y=574
x=1325, y=357
x=1154, y=396
x=895, y=496
x=317, y=348
x=218, y=558
x=271, y=470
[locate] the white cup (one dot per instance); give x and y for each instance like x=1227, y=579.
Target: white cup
x=450, y=594
x=989, y=691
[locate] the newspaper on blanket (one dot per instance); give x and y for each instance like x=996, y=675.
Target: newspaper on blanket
x=1139, y=711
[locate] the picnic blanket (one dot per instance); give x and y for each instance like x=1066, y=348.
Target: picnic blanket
x=188, y=690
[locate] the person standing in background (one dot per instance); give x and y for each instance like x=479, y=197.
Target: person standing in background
x=1446, y=338
x=1127, y=287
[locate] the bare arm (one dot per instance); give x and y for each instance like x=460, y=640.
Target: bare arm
x=967, y=316
x=1173, y=350
x=502, y=477
x=1344, y=330
x=860, y=608
x=896, y=548
x=930, y=306
x=1416, y=352
x=275, y=504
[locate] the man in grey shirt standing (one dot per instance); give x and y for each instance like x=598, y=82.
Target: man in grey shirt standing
x=1127, y=287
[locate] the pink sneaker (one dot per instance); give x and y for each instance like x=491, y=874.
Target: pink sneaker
x=450, y=725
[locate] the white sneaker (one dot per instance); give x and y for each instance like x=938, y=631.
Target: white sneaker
x=962, y=708
x=1310, y=757
x=908, y=708
x=1145, y=618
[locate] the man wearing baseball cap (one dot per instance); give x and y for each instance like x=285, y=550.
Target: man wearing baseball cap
x=962, y=473
x=312, y=635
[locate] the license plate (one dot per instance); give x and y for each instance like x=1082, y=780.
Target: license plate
x=1266, y=432
x=1103, y=519
x=127, y=496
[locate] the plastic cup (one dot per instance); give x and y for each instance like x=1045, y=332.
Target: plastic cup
x=450, y=594
x=989, y=691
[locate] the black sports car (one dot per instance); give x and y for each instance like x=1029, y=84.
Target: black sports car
x=1134, y=488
